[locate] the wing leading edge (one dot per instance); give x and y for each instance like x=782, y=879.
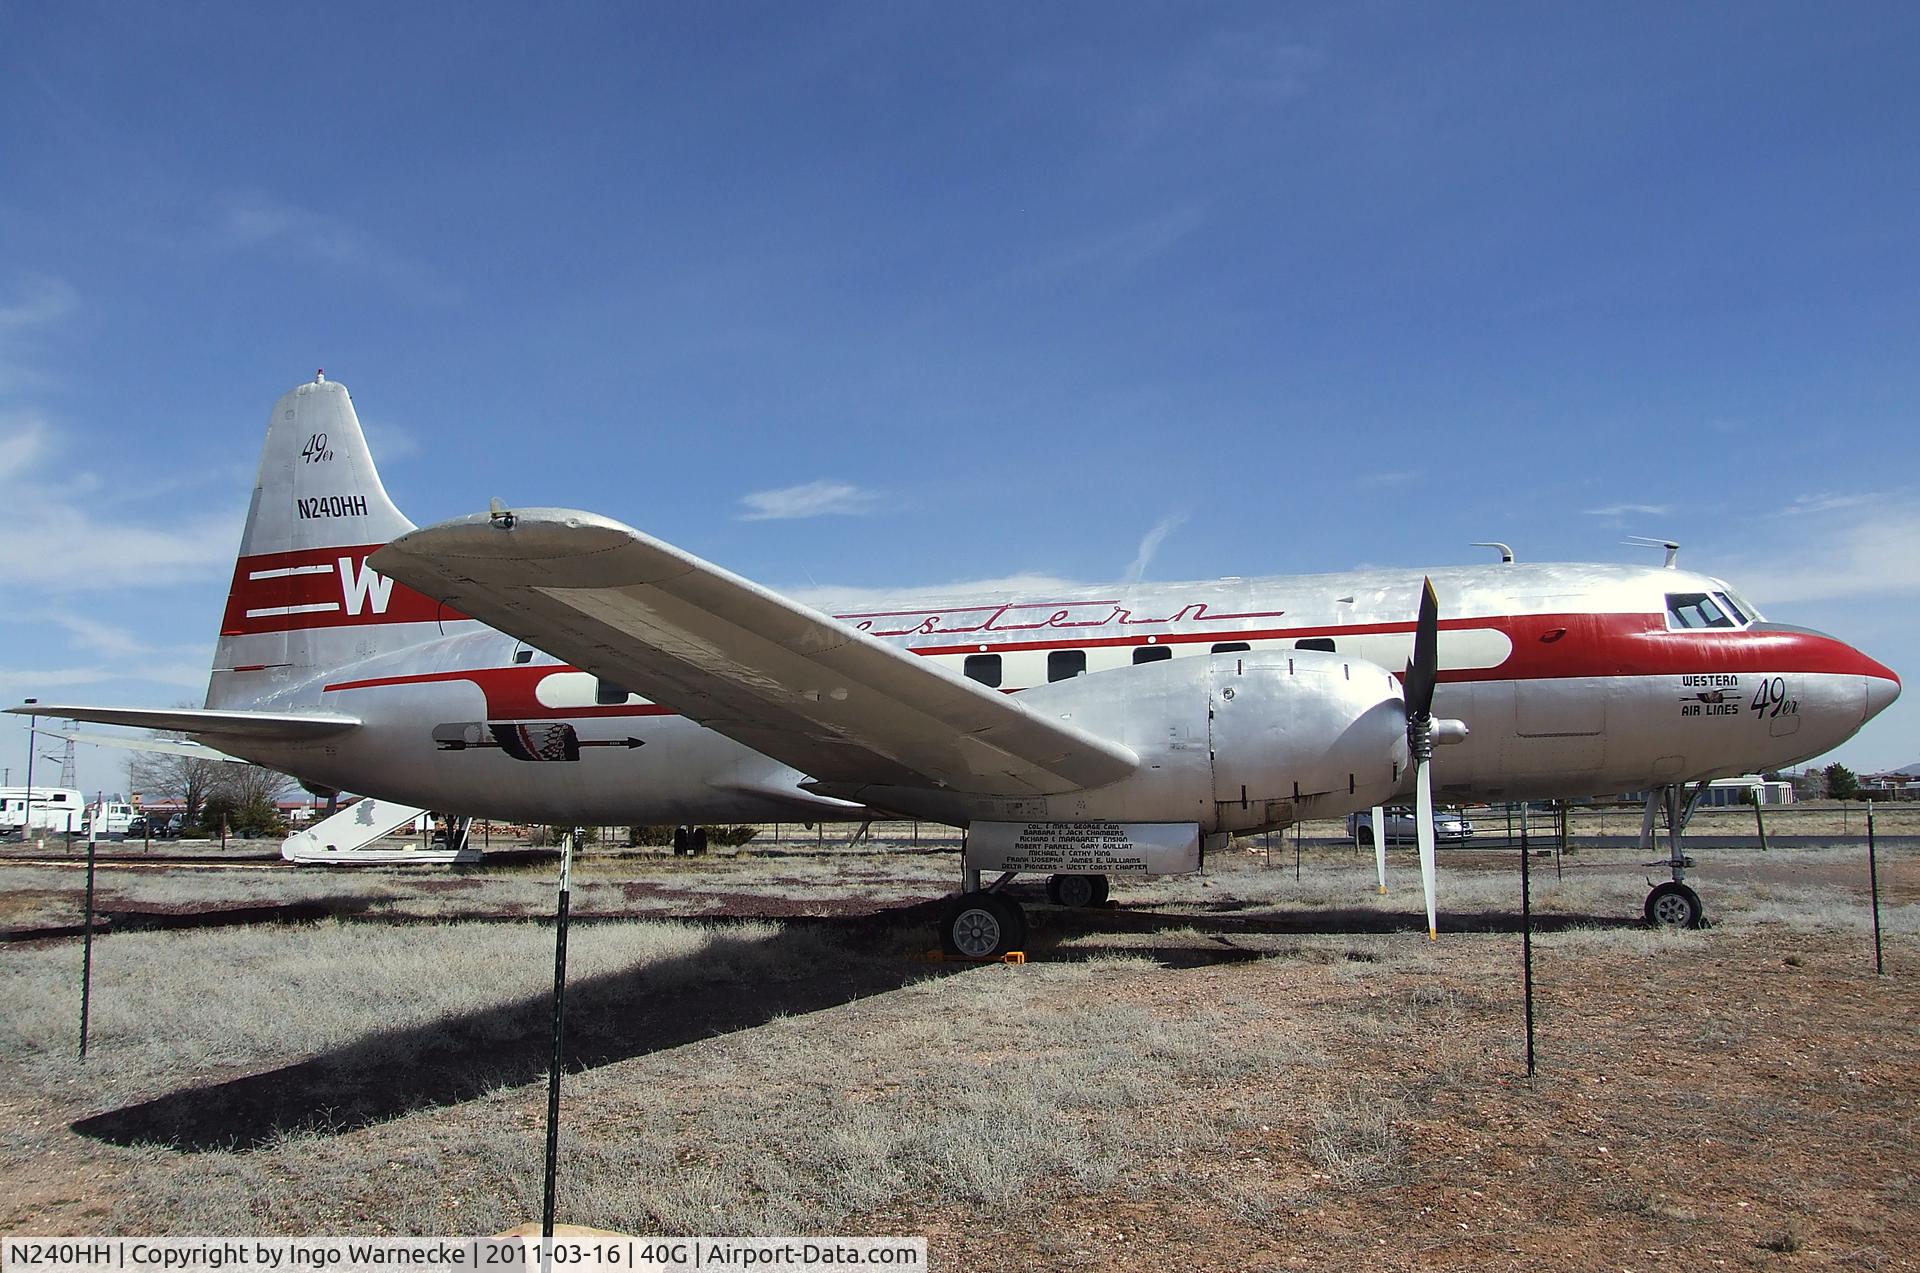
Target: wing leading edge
x=788, y=681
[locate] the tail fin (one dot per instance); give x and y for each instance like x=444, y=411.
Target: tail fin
x=303, y=599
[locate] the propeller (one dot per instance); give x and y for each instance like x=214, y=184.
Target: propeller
x=1380, y=846
x=1423, y=733
x=1423, y=670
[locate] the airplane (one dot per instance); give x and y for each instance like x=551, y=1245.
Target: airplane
x=557, y=666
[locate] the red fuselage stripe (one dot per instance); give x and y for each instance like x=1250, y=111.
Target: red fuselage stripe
x=1545, y=647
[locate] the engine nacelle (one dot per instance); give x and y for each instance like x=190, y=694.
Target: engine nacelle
x=1235, y=742
x=1303, y=734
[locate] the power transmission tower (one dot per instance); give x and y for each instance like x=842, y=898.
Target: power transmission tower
x=66, y=762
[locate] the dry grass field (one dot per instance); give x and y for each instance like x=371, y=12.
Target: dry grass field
x=1234, y=1071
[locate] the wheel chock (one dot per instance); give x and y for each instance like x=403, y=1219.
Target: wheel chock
x=942, y=957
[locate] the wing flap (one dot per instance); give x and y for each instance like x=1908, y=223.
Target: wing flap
x=788, y=681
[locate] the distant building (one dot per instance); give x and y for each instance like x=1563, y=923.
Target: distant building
x=1746, y=789
x=1890, y=786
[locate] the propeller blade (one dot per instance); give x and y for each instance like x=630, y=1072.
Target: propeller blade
x=1424, y=668
x=1423, y=827
x=1380, y=845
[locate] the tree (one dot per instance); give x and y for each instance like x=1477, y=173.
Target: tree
x=249, y=797
x=183, y=780
x=1841, y=784
x=206, y=789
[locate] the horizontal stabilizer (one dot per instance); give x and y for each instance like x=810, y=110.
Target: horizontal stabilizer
x=163, y=746
x=200, y=720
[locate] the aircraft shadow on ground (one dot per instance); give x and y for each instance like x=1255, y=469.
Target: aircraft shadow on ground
x=730, y=984
x=1228, y=919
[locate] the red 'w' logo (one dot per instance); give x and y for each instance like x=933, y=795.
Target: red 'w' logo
x=361, y=584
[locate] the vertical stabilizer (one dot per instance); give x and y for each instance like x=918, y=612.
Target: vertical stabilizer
x=303, y=599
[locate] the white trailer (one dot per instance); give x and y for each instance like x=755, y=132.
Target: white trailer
x=53, y=810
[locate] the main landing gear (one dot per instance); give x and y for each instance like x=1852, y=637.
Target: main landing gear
x=984, y=923
x=689, y=840
x=1672, y=904
x=1077, y=890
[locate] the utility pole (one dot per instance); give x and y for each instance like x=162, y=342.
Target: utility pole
x=33, y=745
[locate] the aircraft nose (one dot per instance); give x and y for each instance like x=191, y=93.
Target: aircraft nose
x=1881, y=691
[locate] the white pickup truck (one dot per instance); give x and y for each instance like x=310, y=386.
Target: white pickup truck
x=1448, y=827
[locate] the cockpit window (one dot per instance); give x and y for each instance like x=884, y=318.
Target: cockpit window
x=1741, y=605
x=1727, y=604
x=1697, y=610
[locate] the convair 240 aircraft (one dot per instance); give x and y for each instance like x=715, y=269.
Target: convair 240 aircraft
x=557, y=666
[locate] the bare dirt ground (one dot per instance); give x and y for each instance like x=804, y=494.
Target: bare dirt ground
x=1235, y=1071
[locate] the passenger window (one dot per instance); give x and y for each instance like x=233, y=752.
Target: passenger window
x=1695, y=610
x=1151, y=653
x=607, y=694
x=1231, y=647
x=984, y=668
x=1064, y=665
x=1314, y=643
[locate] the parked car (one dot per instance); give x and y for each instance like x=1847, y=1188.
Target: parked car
x=1449, y=827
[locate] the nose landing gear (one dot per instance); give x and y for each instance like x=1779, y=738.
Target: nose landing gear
x=1672, y=904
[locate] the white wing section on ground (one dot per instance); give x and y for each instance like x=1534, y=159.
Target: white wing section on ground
x=787, y=681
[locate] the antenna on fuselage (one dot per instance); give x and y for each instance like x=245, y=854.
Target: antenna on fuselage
x=1506, y=553
x=1641, y=541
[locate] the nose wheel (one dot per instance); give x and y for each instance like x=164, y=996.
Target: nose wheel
x=1674, y=905
x=982, y=925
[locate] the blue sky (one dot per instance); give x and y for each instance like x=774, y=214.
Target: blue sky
x=903, y=294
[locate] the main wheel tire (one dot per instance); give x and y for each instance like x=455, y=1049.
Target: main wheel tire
x=1674, y=905
x=680, y=841
x=982, y=925
x=697, y=843
x=1366, y=837
x=1077, y=890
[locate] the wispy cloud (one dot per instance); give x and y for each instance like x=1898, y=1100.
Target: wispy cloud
x=13, y=681
x=810, y=499
x=60, y=541
x=389, y=441
x=1868, y=554
x=1244, y=69
x=29, y=313
x=1390, y=477
x=254, y=221
x=1628, y=510
x=41, y=301
x=1019, y=587
x=1828, y=501
x=1150, y=544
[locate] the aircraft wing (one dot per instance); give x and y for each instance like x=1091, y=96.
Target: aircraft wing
x=199, y=720
x=788, y=681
